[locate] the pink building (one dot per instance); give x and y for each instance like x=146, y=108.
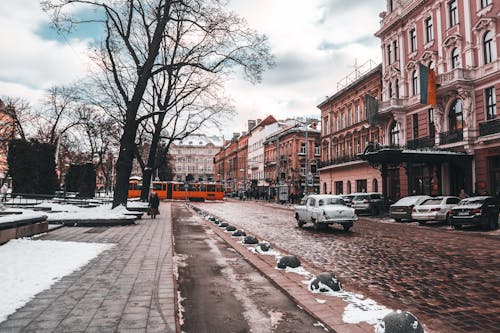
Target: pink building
x=452, y=143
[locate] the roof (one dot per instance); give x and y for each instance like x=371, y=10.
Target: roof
x=200, y=140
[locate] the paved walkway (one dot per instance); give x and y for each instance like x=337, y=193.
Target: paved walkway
x=129, y=288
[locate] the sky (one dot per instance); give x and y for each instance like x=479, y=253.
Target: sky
x=315, y=43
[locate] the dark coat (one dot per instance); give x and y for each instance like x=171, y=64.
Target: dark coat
x=154, y=201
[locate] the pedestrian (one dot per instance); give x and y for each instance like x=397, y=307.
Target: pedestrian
x=463, y=194
x=4, y=190
x=154, y=204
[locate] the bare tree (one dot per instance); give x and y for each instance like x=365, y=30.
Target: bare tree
x=146, y=38
x=19, y=115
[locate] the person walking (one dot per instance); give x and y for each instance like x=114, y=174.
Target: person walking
x=4, y=190
x=154, y=204
x=463, y=194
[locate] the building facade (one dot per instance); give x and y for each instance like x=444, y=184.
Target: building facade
x=194, y=156
x=292, y=157
x=346, y=133
x=452, y=141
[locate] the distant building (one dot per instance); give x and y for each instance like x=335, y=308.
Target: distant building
x=195, y=156
x=7, y=133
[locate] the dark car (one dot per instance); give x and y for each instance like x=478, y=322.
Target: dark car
x=482, y=211
x=348, y=199
x=402, y=209
x=368, y=203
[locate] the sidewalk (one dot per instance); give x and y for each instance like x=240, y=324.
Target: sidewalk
x=129, y=288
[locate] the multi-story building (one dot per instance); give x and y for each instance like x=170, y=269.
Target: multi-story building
x=292, y=156
x=7, y=133
x=452, y=140
x=259, y=130
x=194, y=156
x=347, y=131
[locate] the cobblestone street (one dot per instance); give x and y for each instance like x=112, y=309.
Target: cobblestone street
x=447, y=278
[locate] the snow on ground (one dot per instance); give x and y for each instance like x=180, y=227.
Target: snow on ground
x=103, y=212
x=30, y=266
x=27, y=214
x=137, y=204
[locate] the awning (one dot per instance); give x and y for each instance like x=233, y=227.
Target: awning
x=401, y=155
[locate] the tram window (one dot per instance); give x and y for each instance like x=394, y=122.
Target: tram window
x=211, y=188
x=203, y=187
x=157, y=186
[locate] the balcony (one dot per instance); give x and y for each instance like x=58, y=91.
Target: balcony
x=451, y=136
x=489, y=127
x=339, y=160
x=454, y=76
x=392, y=104
x=424, y=142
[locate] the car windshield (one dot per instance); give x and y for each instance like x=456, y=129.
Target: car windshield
x=361, y=197
x=472, y=202
x=407, y=201
x=433, y=201
x=330, y=201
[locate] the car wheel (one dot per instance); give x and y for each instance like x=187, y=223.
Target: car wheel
x=299, y=222
x=456, y=226
x=317, y=226
x=346, y=226
x=397, y=220
x=422, y=222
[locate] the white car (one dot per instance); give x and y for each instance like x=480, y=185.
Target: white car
x=324, y=209
x=434, y=209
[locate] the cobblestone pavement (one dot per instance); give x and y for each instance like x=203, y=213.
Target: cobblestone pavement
x=448, y=278
x=129, y=288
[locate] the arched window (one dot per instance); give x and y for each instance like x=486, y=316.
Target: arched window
x=375, y=185
x=396, y=88
x=414, y=83
x=488, y=47
x=394, y=134
x=455, y=58
x=348, y=187
x=390, y=89
x=455, y=116
x=324, y=188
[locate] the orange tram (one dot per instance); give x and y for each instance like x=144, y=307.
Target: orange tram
x=178, y=191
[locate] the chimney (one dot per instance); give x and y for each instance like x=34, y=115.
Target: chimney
x=258, y=121
x=251, y=124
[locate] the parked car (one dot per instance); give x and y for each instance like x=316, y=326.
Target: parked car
x=348, y=198
x=435, y=209
x=482, y=211
x=371, y=203
x=324, y=209
x=402, y=209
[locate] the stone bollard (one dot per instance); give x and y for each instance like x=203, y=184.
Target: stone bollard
x=264, y=246
x=230, y=228
x=239, y=233
x=250, y=240
x=223, y=224
x=289, y=261
x=399, y=322
x=325, y=282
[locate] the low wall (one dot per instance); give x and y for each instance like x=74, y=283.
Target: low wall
x=23, y=229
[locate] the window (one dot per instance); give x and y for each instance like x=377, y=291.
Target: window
x=396, y=88
x=413, y=40
x=414, y=83
x=388, y=54
x=390, y=5
x=395, y=47
x=358, y=114
x=317, y=150
x=429, y=36
x=453, y=12
x=302, y=169
x=349, y=117
x=491, y=105
x=455, y=58
x=395, y=134
x=485, y=3
x=339, y=187
x=342, y=121
x=375, y=185
x=488, y=47
x=432, y=129
x=361, y=185
x=390, y=89
x=415, y=125
x=455, y=116
x=348, y=187
x=302, y=148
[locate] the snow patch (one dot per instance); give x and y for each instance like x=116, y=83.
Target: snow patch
x=320, y=324
x=320, y=301
x=29, y=267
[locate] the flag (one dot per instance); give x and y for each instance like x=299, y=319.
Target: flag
x=371, y=108
x=427, y=85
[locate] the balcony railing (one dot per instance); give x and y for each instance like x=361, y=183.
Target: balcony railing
x=451, y=137
x=339, y=160
x=424, y=142
x=489, y=127
x=392, y=103
x=455, y=75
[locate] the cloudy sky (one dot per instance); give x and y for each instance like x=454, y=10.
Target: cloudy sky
x=315, y=42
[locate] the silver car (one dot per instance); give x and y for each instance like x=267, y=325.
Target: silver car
x=435, y=209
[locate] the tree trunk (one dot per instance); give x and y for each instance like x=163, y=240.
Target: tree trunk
x=151, y=167
x=124, y=164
